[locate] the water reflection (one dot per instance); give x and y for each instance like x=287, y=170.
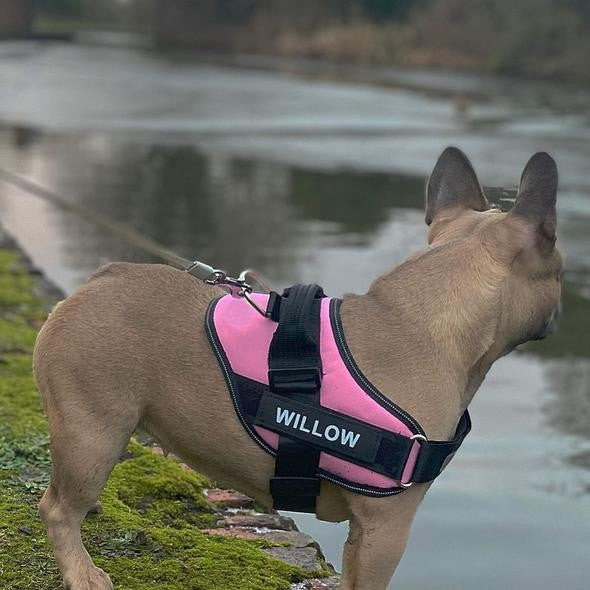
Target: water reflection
x=223, y=209
x=569, y=410
x=573, y=336
x=355, y=202
x=242, y=213
x=342, y=228
x=238, y=212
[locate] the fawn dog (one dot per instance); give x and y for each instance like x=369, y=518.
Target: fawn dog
x=129, y=349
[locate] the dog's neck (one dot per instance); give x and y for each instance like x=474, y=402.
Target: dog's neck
x=426, y=334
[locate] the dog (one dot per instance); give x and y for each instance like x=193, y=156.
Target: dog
x=129, y=350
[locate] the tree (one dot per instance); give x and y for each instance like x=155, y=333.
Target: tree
x=60, y=7
x=387, y=9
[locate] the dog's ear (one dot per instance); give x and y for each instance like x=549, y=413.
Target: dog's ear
x=537, y=195
x=453, y=183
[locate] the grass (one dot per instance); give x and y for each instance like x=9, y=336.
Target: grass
x=148, y=534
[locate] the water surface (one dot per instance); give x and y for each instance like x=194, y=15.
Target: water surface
x=314, y=180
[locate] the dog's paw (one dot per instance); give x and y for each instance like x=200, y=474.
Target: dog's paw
x=92, y=579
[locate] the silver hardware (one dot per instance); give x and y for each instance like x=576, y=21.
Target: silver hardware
x=413, y=437
x=236, y=287
x=240, y=287
x=248, y=297
x=259, y=285
x=200, y=270
x=418, y=437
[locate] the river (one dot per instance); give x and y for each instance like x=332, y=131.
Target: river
x=308, y=175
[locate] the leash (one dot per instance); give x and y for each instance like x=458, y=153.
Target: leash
x=241, y=287
x=248, y=282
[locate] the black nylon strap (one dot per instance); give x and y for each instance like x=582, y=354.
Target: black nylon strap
x=295, y=346
x=294, y=382
x=393, y=450
x=435, y=455
x=295, y=370
x=335, y=433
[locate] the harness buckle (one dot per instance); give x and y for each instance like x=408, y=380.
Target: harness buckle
x=295, y=380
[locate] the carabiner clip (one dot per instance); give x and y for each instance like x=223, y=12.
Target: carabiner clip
x=237, y=287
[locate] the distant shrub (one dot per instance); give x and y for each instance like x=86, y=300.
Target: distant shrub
x=540, y=37
x=60, y=7
x=379, y=10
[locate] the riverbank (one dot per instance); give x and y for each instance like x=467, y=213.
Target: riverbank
x=534, y=39
x=161, y=525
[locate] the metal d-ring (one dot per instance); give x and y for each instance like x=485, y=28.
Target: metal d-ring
x=246, y=293
x=413, y=437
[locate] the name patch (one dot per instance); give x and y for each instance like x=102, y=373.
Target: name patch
x=319, y=427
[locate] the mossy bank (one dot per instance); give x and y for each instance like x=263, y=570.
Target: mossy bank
x=149, y=533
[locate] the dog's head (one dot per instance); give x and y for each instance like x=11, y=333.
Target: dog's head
x=509, y=259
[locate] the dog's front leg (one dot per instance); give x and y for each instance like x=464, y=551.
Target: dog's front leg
x=379, y=530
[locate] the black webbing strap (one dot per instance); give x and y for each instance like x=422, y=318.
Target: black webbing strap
x=388, y=458
x=295, y=371
x=435, y=455
x=290, y=406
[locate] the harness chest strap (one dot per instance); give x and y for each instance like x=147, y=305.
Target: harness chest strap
x=295, y=373
x=292, y=409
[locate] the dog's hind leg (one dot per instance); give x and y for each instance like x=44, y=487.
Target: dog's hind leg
x=377, y=538
x=84, y=448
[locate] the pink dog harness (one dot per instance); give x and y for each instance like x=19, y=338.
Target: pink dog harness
x=302, y=398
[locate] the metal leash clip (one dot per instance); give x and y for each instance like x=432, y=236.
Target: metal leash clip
x=239, y=287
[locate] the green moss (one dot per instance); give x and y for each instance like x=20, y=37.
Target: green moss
x=148, y=535
x=16, y=286
x=25, y=559
x=20, y=406
x=158, y=490
x=189, y=561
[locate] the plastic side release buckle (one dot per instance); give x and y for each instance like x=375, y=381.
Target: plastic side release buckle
x=273, y=307
x=295, y=380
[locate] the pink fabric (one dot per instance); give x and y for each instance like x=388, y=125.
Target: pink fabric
x=245, y=336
